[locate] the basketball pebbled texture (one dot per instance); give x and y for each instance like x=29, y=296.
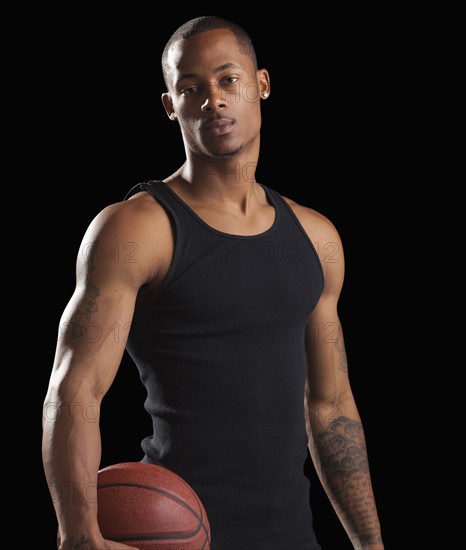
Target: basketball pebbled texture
x=151, y=508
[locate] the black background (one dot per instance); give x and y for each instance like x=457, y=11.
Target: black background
x=331, y=139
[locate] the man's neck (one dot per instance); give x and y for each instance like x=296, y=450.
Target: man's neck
x=217, y=181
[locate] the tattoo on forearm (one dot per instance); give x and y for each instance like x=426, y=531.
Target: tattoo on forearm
x=345, y=471
x=342, y=451
x=340, y=346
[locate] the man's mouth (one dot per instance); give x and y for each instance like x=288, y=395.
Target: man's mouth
x=219, y=126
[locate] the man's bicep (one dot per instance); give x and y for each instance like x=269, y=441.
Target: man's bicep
x=327, y=365
x=96, y=321
x=114, y=260
x=92, y=337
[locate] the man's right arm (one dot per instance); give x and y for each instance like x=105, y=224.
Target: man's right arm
x=87, y=358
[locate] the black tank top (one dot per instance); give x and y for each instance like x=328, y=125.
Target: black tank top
x=220, y=350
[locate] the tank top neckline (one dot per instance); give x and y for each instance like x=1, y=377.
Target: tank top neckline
x=196, y=216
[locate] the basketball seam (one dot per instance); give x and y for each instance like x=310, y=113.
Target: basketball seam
x=150, y=488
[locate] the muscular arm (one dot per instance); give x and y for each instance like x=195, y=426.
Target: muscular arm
x=86, y=361
x=335, y=431
x=336, y=439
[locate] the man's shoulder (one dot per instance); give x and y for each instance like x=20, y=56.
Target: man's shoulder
x=138, y=213
x=325, y=238
x=313, y=221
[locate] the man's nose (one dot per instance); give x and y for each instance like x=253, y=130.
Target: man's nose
x=214, y=97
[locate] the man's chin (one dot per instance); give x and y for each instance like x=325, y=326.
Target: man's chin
x=226, y=153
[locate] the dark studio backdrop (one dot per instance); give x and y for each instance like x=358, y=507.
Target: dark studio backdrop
x=328, y=118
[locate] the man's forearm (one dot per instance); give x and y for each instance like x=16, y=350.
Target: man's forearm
x=340, y=455
x=71, y=452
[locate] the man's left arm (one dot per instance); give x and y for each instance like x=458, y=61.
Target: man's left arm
x=336, y=440
x=335, y=432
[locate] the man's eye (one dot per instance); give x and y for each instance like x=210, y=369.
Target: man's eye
x=189, y=91
x=228, y=80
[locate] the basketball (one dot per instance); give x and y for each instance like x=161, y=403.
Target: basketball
x=151, y=508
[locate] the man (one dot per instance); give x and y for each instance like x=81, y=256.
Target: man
x=232, y=319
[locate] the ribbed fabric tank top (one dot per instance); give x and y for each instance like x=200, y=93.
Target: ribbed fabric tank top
x=220, y=350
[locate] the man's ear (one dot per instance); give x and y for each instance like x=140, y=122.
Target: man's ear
x=168, y=104
x=263, y=80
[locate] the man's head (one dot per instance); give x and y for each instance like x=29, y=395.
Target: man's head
x=203, y=24
x=214, y=87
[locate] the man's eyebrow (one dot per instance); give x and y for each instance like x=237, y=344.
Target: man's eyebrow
x=218, y=69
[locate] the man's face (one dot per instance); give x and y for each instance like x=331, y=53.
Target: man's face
x=215, y=93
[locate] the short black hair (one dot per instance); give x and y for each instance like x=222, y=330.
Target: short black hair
x=205, y=23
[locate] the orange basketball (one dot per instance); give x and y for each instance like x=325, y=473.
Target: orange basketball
x=151, y=508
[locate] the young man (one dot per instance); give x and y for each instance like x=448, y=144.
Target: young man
x=232, y=321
